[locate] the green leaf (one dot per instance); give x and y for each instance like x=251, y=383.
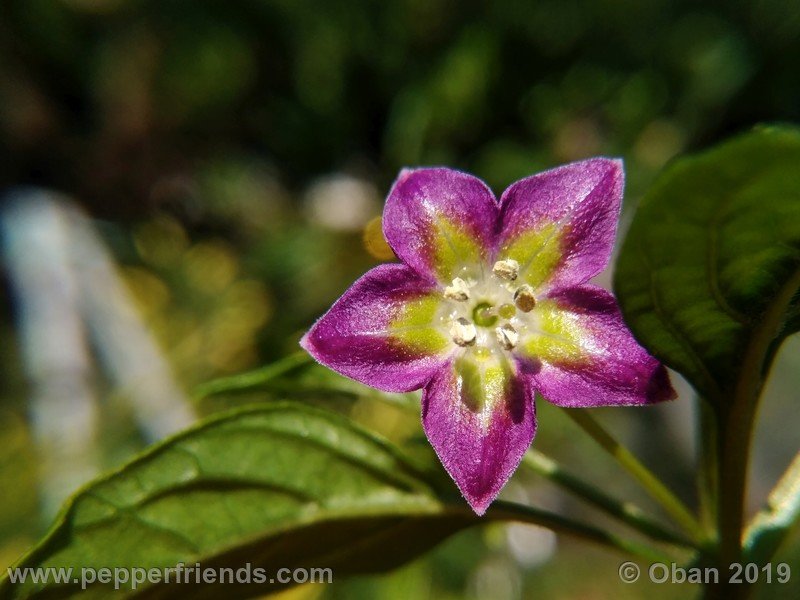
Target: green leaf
x=771, y=526
x=280, y=486
x=255, y=379
x=297, y=376
x=709, y=272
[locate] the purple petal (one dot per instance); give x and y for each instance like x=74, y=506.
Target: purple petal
x=440, y=222
x=381, y=331
x=584, y=355
x=480, y=421
x=560, y=224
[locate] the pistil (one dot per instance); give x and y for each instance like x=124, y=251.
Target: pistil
x=484, y=314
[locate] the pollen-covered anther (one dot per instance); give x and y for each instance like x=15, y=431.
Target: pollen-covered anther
x=524, y=298
x=507, y=336
x=506, y=269
x=463, y=332
x=458, y=290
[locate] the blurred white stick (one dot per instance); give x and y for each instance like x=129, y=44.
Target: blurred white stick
x=63, y=277
x=126, y=346
x=62, y=409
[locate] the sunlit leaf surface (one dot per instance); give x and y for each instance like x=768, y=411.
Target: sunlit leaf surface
x=709, y=272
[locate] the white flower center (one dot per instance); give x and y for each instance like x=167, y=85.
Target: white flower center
x=491, y=313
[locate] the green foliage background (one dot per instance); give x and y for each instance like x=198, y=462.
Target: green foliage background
x=196, y=133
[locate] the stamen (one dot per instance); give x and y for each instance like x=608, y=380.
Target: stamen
x=458, y=291
x=507, y=336
x=506, y=269
x=524, y=298
x=463, y=332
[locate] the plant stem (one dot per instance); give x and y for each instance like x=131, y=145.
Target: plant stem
x=736, y=428
x=626, y=512
x=734, y=458
x=707, y=474
x=560, y=524
x=736, y=423
x=649, y=482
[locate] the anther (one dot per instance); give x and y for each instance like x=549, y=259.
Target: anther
x=463, y=332
x=458, y=290
x=506, y=269
x=507, y=336
x=524, y=298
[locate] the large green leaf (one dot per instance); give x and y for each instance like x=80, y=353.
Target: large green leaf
x=709, y=272
x=279, y=486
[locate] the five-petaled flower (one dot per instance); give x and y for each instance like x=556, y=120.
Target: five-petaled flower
x=489, y=307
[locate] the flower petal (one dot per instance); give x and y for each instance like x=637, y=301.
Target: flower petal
x=440, y=222
x=479, y=417
x=382, y=331
x=583, y=354
x=560, y=225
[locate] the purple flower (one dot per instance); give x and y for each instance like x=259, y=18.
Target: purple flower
x=490, y=306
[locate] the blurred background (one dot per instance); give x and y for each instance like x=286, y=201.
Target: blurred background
x=187, y=184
